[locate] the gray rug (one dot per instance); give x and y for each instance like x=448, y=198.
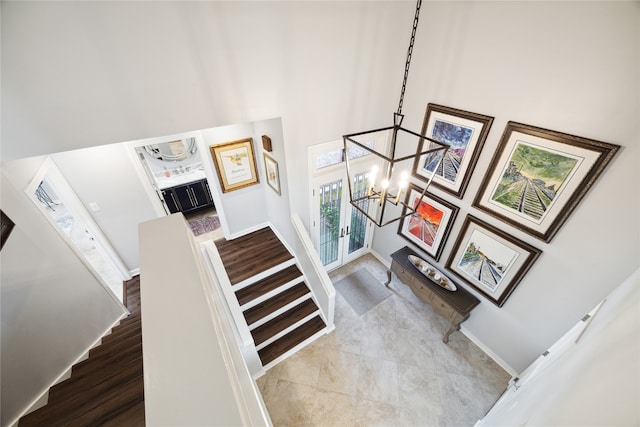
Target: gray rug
x=362, y=291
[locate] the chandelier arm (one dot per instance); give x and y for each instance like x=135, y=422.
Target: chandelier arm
x=409, y=53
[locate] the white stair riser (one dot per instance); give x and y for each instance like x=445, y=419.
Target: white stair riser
x=281, y=310
x=272, y=293
x=287, y=330
x=253, y=279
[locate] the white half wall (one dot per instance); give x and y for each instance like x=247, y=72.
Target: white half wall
x=593, y=381
x=52, y=308
x=105, y=176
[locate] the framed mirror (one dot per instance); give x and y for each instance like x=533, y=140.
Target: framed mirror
x=173, y=151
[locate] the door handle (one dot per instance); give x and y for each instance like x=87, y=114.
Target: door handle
x=193, y=193
x=341, y=232
x=347, y=230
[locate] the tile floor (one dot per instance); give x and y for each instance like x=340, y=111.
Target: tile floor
x=388, y=367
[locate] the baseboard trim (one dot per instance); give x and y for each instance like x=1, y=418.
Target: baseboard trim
x=43, y=398
x=488, y=351
x=504, y=365
x=249, y=230
x=380, y=258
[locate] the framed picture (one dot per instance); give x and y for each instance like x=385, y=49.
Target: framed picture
x=429, y=227
x=236, y=164
x=6, y=226
x=271, y=170
x=537, y=177
x=490, y=260
x=465, y=133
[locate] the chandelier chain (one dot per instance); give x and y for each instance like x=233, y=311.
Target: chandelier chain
x=409, y=53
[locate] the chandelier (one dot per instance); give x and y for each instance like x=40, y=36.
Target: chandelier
x=379, y=193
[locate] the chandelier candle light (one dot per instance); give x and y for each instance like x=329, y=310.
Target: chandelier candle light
x=404, y=147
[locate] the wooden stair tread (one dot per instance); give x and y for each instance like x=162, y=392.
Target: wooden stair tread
x=108, y=387
x=290, y=340
x=114, y=403
x=116, y=345
x=88, y=379
x=267, y=284
x=275, y=303
x=123, y=332
x=251, y=254
x=132, y=417
x=283, y=321
x=96, y=362
x=109, y=394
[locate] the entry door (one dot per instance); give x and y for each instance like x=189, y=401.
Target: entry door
x=341, y=232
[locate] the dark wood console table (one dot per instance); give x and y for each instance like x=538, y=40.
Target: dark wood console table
x=455, y=306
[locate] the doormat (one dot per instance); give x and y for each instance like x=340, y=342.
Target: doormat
x=362, y=291
x=204, y=225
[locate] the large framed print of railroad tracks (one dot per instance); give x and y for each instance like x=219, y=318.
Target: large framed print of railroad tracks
x=537, y=177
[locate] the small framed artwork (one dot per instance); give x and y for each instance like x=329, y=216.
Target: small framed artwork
x=6, y=226
x=490, y=260
x=537, y=177
x=271, y=170
x=465, y=133
x=429, y=227
x=236, y=164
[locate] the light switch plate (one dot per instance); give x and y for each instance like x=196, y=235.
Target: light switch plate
x=94, y=207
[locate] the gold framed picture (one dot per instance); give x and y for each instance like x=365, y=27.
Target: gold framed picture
x=236, y=164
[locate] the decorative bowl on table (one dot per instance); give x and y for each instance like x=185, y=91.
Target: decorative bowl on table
x=432, y=273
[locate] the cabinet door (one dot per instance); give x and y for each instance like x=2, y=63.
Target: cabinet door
x=185, y=199
x=170, y=200
x=199, y=193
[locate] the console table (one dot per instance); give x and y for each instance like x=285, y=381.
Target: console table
x=455, y=306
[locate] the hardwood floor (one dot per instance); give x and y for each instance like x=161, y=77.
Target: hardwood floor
x=279, y=309
x=251, y=254
x=107, y=389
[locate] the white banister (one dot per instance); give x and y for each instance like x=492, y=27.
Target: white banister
x=194, y=369
x=217, y=269
x=319, y=282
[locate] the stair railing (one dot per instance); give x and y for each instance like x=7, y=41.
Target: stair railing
x=216, y=268
x=317, y=276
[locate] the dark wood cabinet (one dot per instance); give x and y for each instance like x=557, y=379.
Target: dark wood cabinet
x=170, y=200
x=188, y=197
x=455, y=306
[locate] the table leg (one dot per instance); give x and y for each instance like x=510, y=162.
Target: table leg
x=388, y=278
x=454, y=327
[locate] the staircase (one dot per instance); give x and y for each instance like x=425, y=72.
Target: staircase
x=275, y=300
x=107, y=388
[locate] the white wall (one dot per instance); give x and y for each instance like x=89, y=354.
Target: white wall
x=566, y=66
x=193, y=368
x=97, y=73
x=277, y=206
x=242, y=207
x=52, y=308
x=594, y=381
x=104, y=175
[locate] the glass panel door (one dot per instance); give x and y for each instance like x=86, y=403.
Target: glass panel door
x=335, y=218
x=330, y=222
x=357, y=229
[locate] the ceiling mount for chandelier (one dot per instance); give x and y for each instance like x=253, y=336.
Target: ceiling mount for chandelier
x=381, y=190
